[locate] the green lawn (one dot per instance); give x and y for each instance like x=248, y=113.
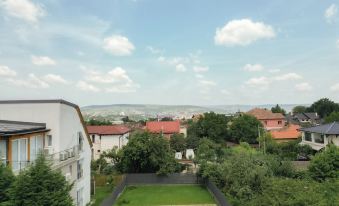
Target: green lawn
x=165, y=195
x=101, y=193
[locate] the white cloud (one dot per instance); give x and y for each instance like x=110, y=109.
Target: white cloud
x=53, y=78
x=337, y=43
x=199, y=76
x=118, y=45
x=303, y=87
x=31, y=82
x=261, y=82
x=200, y=69
x=274, y=70
x=153, y=50
x=23, y=9
x=242, y=32
x=5, y=71
x=87, y=87
x=253, y=67
x=43, y=61
x=180, y=68
x=288, y=76
x=225, y=92
x=115, y=80
x=335, y=87
x=330, y=13
x=207, y=83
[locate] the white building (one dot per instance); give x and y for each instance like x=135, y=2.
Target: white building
x=107, y=137
x=55, y=127
x=320, y=136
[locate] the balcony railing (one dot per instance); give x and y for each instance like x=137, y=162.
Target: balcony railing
x=54, y=159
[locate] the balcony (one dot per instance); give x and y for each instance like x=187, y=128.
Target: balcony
x=56, y=160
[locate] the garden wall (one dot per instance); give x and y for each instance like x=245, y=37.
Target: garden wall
x=151, y=178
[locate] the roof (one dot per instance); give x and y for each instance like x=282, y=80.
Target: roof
x=51, y=101
x=108, y=129
x=165, y=127
x=10, y=128
x=330, y=129
x=307, y=115
x=263, y=114
x=289, y=132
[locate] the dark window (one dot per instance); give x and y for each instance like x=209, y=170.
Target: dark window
x=265, y=122
x=98, y=150
x=279, y=122
x=308, y=137
x=319, y=139
x=93, y=138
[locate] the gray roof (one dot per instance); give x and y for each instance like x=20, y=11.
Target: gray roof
x=9, y=128
x=331, y=128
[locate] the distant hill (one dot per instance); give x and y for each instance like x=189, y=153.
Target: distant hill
x=144, y=111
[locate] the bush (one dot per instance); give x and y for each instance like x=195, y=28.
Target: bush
x=325, y=164
x=6, y=180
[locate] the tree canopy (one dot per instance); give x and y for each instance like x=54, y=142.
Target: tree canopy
x=6, y=180
x=299, y=109
x=324, y=107
x=245, y=129
x=333, y=117
x=211, y=125
x=278, y=109
x=147, y=152
x=39, y=185
x=96, y=122
x=178, y=142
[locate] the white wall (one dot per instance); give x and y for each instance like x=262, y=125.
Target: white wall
x=318, y=146
x=107, y=142
x=64, y=123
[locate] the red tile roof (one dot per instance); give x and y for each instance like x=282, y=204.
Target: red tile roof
x=289, y=132
x=165, y=127
x=108, y=130
x=263, y=114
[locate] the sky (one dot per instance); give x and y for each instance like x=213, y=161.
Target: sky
x=174, y=52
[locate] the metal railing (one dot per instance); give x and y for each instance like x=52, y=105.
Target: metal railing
x=54, y=159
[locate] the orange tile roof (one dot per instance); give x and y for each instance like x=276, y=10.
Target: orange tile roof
x=289, y=132
x=166, y=127
x=263, y=114
x=108, y=129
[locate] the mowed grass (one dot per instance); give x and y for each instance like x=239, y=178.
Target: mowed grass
x=165, y=195
x=100, y=194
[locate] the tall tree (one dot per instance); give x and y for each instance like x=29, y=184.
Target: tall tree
x=146, y=152
x=299, y=109
x=40, y=185
x=245, y=129
x=323, y=107
x=6, y=180
x=178, y=142
x=212, y=126
x=278, y=109
x=333, y=117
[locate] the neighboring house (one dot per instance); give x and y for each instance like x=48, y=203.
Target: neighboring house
x=269, y=119
x=165, y=128
x=53, y=127
x=305, y=117
x=287, y=133
x=106, y=137
x=319, y=136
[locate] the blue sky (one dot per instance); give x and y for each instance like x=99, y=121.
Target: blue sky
x=170, y=52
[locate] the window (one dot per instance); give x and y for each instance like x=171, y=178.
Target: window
x=98, y=150
x=308, y=137
x=79, y=169
x=319, y=138
x=48, y=141
x=19, y=154
x=93, y=138
x=80, y=197
x=279, y=122
x=3, y=151
x=36, y=146
x=80, y=141
x=71, y=170
x=265, y=122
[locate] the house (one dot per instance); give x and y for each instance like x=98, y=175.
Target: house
x=269, y=119
x=106, y=137
x=287, y=133
x=319, y=136
x=53, y=127
x=165, y=128
x=306, y=117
